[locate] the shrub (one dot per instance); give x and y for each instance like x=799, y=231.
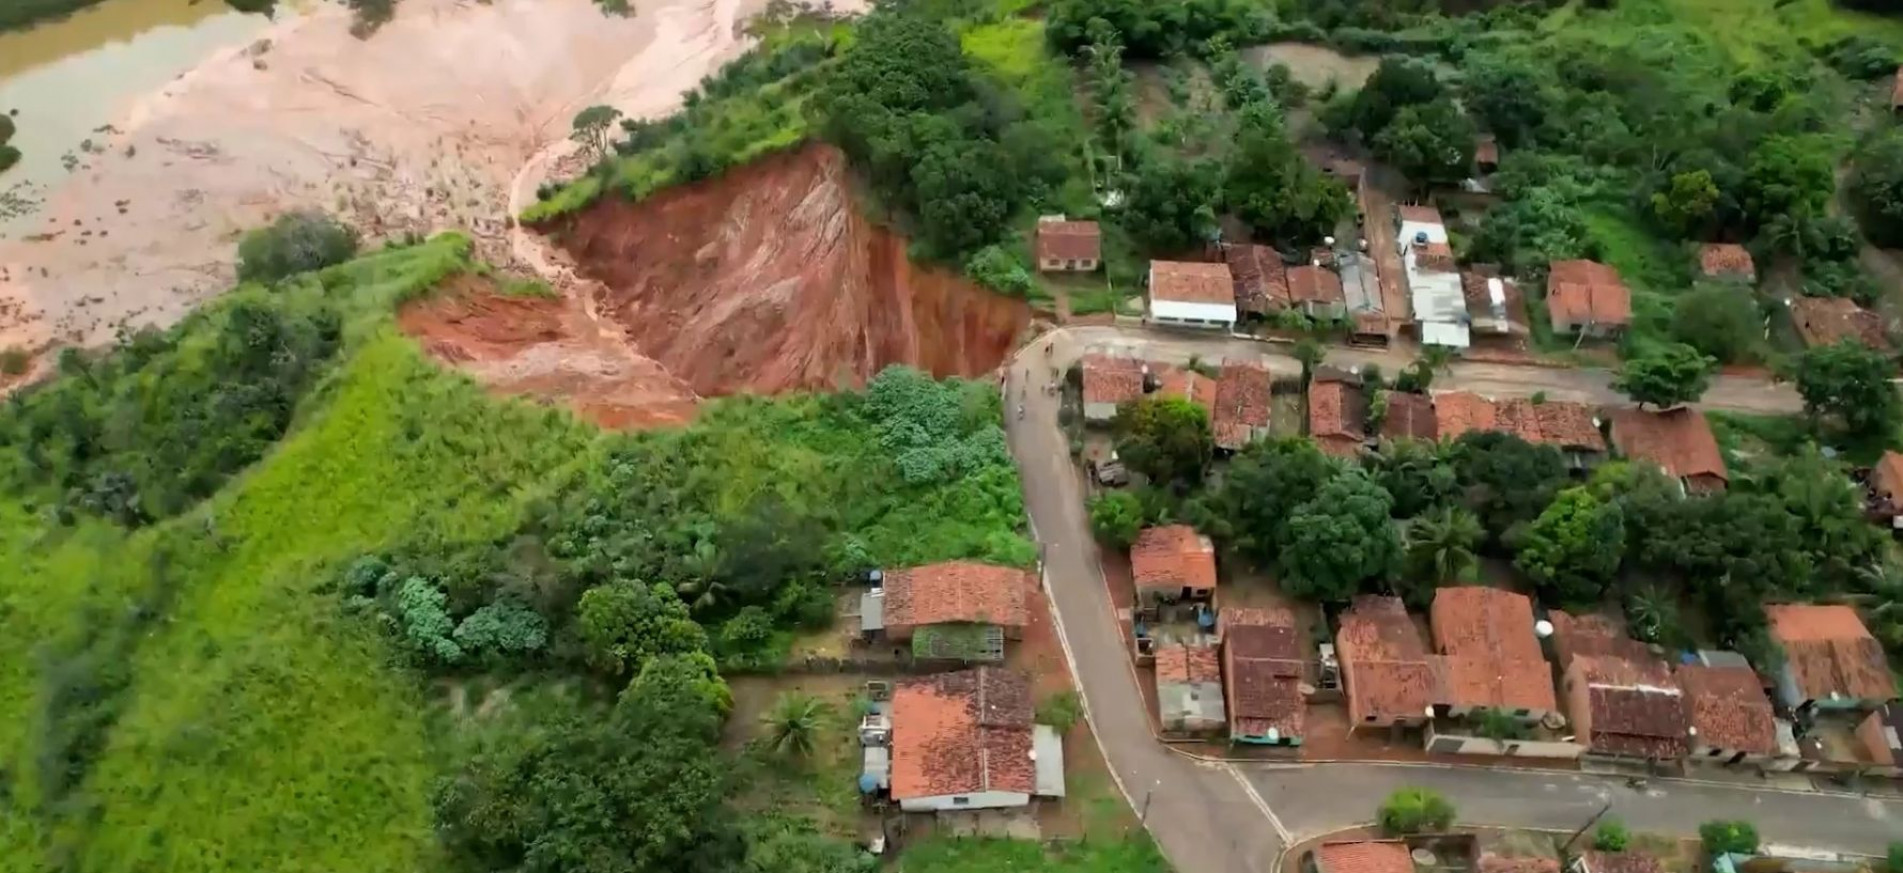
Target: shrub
x=15, y=361
x=298, y=242
x=1611, y=836
x=426, y=624
x=999, y=270
x=1896, y=857
x=8, y=157
x=1415, y=811
x=1728, y=837
x=1061, y=710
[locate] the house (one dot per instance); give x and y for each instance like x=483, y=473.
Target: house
x=1726, y=261
x=1619, y=862
x=1486, y=153
x=1185, y=294
x=1886, y=489
x=1831, y=661
x=1068, y=246
x=1189, y=689
x=1492, y=656
x=1588, y=298
x=1260, y=277
x=1409, y=417
x=965, y=740
x=961, y=610
x=1317, y=290
x=1882, y=735
x=1433, y=280
x=1731, y=719
x=1392, y=681
x=1592, y=635
x=1495, y=305
x=1627, y=708
x=1679, y=441
x=1262, y=672
x=1364, y=856
x=1241, y=413
x=1172, y=563
x=1824, y=321
x=1337, y=413
x=1572, y=428
x=1110, y=381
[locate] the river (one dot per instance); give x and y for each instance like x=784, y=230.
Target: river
x=66, y=79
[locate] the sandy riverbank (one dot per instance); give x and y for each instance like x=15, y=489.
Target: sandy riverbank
x=422, y=127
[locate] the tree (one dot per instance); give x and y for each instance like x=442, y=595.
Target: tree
x=503, y=630
x=1728, y=837
x=297, y=242
x=1719, y=319
x=1165, y=438
x=1116, y=517
x=1506, y=481
x=1432, y=143
x=1850, y=381
x=1788, y=174
x=426, y=624
x=1416, y=473
x=1440, y=548
x=693, y=676
x=1396, y=84
x=622, y=624
x=793, y=724
x=1276, y=190
x=1666, y=375
x=1341, y=540
x=1310, y=352
x=1688, y=203
x=1876, y=189
x=1508, y=94
x=1894, y=857
x=1573, y=549
x=591, y=128
x=1415, y=811
x=1611, y=836
x=1652, y=615
x=1260, y=491
x=1172, y=203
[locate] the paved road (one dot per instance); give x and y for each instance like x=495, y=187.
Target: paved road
x=1582, y=384
x=1317, y=799
x=1238, y=819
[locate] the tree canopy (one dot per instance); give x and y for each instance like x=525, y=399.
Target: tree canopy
x=1341, y=540
x=1573, y=548
x=1850, y=382
x=1666, y=375
x=1165, y=438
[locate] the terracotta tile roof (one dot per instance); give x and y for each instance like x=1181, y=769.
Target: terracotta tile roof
x=1173, y=556
x=1069, y=240
x=1435, y=257
x=1887, y=475
x=1311, y=284
x=1110, y=379
x=1494, y=658
x=1263, y=670
x=1191, y=282
x=1623, y=862
x=1419, y=212
x=1592, y=635
x=1473, y=287
x=1678, y=440
x=1729, y=709
x=1726, y=259
x=1638, y=710
x=1241, y=405
x=1260, y=276
x=1829, y=650
x=1388, y=671
x=1559, y=423
x=1180, y=663
x=1368, y=856
x=955, y=591
x=1491, y=863
x=962, y=732
x=1823, y=321
x=1186, y=384
x=1337, y=416
x=1486, y=149
x=1583, y=292
x=1410, y=416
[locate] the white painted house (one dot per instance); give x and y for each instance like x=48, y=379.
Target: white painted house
x=1186, y=294
x=965, y=740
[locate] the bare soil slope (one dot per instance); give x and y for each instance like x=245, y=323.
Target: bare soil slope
x=767, y=280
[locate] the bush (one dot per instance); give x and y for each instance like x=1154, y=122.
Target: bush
x=1611, y=836
x=8, y=157
x=298, y=242
x=1415, y=811
x=1728, y=837
x=1896, y=857
x=15, y=361
x=1061, y=710
x=999, y=270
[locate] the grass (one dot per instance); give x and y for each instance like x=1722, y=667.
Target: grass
x=1134, y=853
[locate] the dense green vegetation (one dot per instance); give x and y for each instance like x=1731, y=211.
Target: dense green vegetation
x=9, y=155
x=22, y=14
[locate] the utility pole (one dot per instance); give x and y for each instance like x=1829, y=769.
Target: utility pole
x=1566, y=851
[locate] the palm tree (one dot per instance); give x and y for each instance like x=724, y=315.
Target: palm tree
x=794, y=723
x=1440, y=546
x=1881, y=602
x=1650, y=612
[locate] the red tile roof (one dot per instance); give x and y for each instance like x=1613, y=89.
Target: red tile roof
x=1592, y=635
x=1638, y=710
x=1069, y=240
x=1409, y=416
x=1729, y=709
x=1263, y=670
x=1387, y=669
x=1829, y=650
x=1173, y=556
x=1337, y=416
x=1191, y=282
x=1486, y=149
x=1242, y=404
x=962, y=732
x=1726, y=259
x=1623, y=862
x=1581, y=292
x=1559, y=423
x=1823, y=321
x=1261, y=278
x=1111, y=379
x=1181, y=663
x=1494, y=658
x=1311, y=284
x=1186, y=384
x=1491, y=863
x=1887, y=476
x=1473, y=287
x=1367, y=856
x=955, y=591
x=1678, y=440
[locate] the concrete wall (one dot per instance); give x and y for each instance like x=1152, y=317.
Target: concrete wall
x=974, y=800
x=1100, y=411
x=1461, y=744
x=1060, y=265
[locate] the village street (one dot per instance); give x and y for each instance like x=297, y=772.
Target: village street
x=1215, y=818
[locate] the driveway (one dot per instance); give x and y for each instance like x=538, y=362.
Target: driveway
x=1218, y=818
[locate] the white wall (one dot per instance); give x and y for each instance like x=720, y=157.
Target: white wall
x=975, y=800
x=1178, y=312
x=1100, y=411
x=1459, y=744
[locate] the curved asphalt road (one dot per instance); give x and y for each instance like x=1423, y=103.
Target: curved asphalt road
x=1217, y=818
